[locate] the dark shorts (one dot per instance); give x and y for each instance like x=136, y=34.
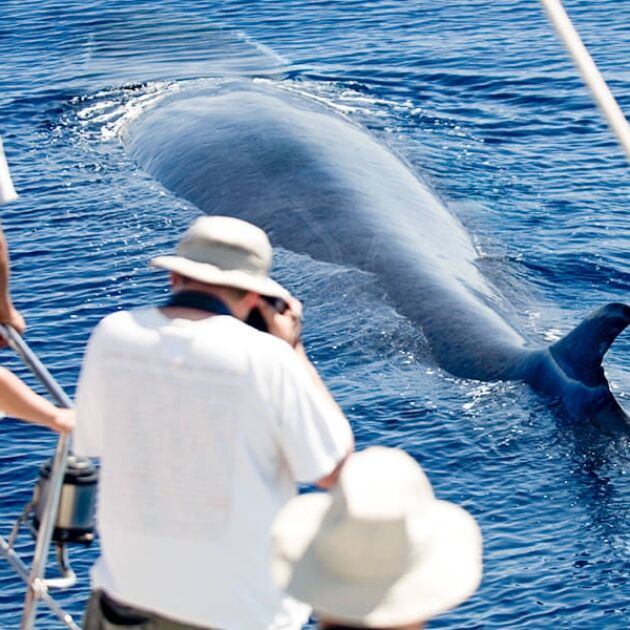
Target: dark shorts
x=105, y=613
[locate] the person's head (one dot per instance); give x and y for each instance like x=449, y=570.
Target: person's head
x=239, y=301
x=379, y=551
x=226, y=256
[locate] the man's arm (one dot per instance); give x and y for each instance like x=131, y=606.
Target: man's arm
x=327, y=482
x=287, y=326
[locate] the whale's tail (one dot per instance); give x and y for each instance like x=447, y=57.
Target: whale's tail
x=576, y=368
x=580, y=353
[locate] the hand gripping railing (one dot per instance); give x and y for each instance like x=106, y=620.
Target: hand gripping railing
x=35, y=579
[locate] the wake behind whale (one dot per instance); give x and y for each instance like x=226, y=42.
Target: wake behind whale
x=324, y=187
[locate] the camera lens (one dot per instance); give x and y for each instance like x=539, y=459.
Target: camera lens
x=277, y=303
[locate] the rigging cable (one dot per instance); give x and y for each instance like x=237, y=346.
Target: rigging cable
x=589, y=71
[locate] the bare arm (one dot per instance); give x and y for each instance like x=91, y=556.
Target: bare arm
x=327, y=482
x=8, y=313
x=19, y=401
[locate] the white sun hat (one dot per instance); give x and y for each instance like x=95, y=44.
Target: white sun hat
x=225, y=251
x=379, y=550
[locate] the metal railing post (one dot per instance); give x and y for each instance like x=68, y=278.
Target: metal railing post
x=36, y=585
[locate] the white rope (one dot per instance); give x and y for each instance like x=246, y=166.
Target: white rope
x=591, y=75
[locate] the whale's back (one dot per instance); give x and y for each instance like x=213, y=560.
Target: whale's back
x=324, y=187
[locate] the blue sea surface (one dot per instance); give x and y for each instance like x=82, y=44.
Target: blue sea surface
x=482, y=101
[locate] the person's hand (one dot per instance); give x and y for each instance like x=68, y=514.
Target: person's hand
x=287, y=325
x=12, y=317
x=63, y=420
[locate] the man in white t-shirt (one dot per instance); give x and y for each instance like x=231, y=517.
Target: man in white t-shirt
x=204, y=425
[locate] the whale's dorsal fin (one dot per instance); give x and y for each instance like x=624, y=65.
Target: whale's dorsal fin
x=580, y=353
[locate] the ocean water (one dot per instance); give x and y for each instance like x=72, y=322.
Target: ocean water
x=482, y=101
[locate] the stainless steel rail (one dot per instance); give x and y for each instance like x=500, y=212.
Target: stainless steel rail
x=37, y=584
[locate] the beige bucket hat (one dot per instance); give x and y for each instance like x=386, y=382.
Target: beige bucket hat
x=380, y=550
x=225, y=251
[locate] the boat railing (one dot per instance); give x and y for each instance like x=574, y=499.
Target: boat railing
x=38, y=586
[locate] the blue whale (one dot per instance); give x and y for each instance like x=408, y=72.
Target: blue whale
x=322, y=186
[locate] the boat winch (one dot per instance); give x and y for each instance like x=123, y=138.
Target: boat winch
x=77, y=500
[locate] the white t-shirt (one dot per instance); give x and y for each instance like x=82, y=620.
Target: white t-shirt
x=203, y=427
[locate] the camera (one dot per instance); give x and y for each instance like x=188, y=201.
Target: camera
x=255, y=317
